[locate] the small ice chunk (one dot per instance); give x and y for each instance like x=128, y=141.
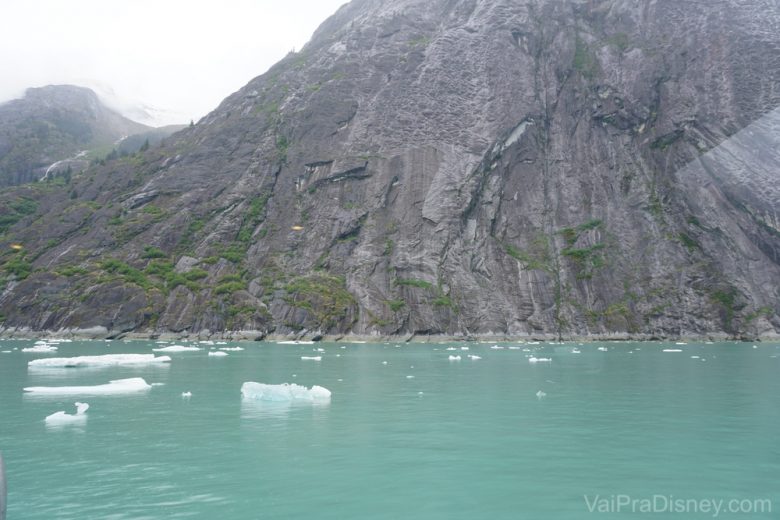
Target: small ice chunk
x=496, y=347
x=451, y=348
x=320, y=350
x=232, y=349
x=62, y=418
x=672, y=350
x=473, y=357
x=694, y=357
x=384, y=362
x=464, y=348
x=603, y=349
x=454, y=358
x=576, y=351
x=6, y=351
x=176, y=348
x=295, y=342
x=284, y=392
x=116, y=387
x=681, y=343
x=540, y=394
x=218, y=353
x=186, y=395
x=340, y=380
x=99, y=361
x=515, y=348
x=409, y=377
x=311, y=358
x=534, y=359
x=158, y=384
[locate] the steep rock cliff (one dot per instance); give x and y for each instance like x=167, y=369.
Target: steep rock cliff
x=443, y=166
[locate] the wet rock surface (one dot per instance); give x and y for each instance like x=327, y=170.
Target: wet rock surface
x=457, y=167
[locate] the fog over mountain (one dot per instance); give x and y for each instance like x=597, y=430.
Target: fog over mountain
x=157, y=63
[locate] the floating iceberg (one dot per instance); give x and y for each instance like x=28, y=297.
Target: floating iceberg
x=672, y=350
x=231, y=349
x=295, y=342
x=186, y=395
x=116, y=387
x=99, y=361
x=176, y=348
x=218, y=354
x=454, y=358
x=540, y=394
x=40, y=349
x=474, y=358
x=311, y=358
x=603, y=349
x=283, y=392
x=496, y=347
x=533, y=359
x=61, y=418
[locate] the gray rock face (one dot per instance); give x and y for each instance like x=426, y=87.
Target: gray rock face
x=457, y=167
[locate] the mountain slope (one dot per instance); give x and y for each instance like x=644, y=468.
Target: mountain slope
x=55, y=123
x=447, y=166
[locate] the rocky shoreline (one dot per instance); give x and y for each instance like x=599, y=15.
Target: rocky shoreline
x=99, y=333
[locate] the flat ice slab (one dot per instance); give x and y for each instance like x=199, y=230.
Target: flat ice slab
x=218, y=354
x=176, y=348
x=533, y=359
x=116, y=387
x=40, y=349
x=283, y=392
x=99, y=361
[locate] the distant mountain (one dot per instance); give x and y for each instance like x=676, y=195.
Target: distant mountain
x=531, y=168
x=59, y=128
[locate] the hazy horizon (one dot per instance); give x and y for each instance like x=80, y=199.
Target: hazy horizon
x=157, y=63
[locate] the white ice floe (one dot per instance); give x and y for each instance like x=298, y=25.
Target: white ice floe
x=158, y=384
x=7, y=351
x=576, y=351
x=284, y=392
x=295, y=342
x=99, y=361
x=540, y=394
x=694, y=357
x=496, y=347
x=311, y=358
x=409, y=377
x=176, y=348
x=464, y=348
x=672, y=350
x=533, y=359
x=116, y=387
x=473, y=357
x=232, y=349
x=515, y=348
x=603, y=349
x=454, y=358
x=681, y=343
x=208, y=342
x=384, y=362
x=217, y=353
x=186, y=395
x=451, y=348
x=221, y=343
x=61, y=418
x=40, y=349
x=319, y=349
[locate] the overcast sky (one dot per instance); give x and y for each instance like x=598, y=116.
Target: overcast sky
x=179, y=56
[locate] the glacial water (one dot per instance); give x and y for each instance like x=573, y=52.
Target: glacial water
x=418, y=437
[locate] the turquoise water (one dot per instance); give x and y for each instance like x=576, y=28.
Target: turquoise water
x=459, y=440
